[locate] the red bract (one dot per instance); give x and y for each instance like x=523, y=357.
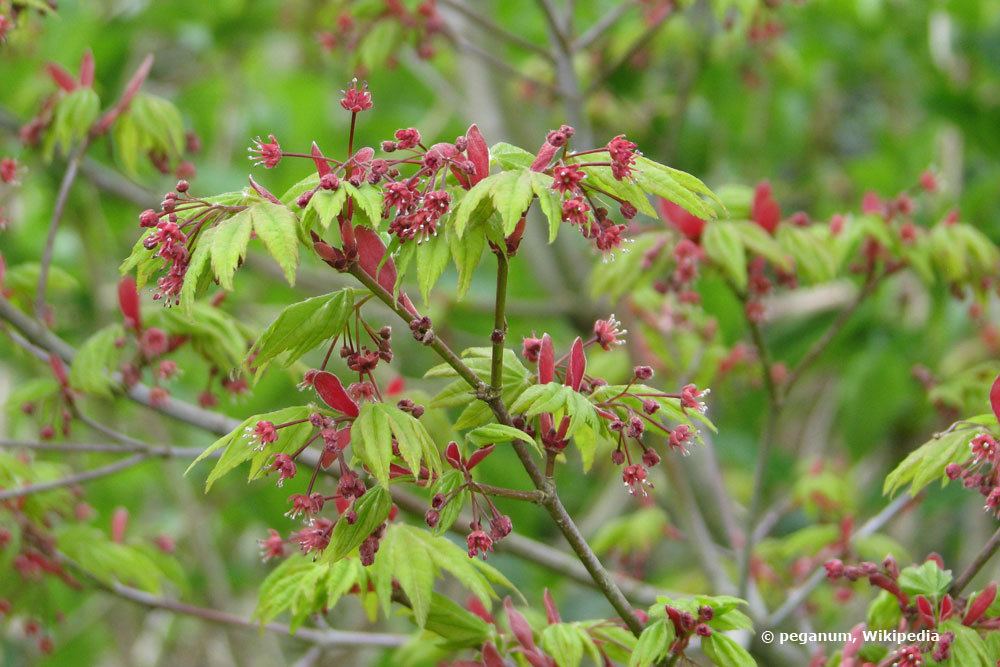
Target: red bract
x=765, y=210
x=330, y=389
x=995, y=397
x=479, y=154
x=980, y=604
x=577, y=365
x=686, y=223
x=128, y=301
x=61, y=77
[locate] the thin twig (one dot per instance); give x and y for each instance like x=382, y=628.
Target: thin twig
x=102, y=448
x=870, y=527
x=74, y=479
x=641, y=42
x=533, y=496
x=985, y=554
x=313, y=636
x=494, y=29
x=553, y=505
x=602, y=25
x=62, y=196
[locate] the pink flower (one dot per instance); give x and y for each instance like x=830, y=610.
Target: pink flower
x=984, y=447
x=680, y=436
x=315, y=536
x=261, y=434
x=272, y=546
x=690, y=398
x=575, y=211
x=532, y=347
x=765, y=210
x=567, y=179
x=305, y=505
x=356, y=99
x=500, y=527
x=479, y=542
x=622, y=153
x=634, y=478
x=8, y=170
x=285, y=466
x=266, y=153
x=153, y=342
x=407, y=138
x=609, y=332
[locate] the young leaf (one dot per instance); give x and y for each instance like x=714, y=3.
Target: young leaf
x=229, y=246
x=372, y=509
x=512, y=196
x=95, y=361
x=302, y=326
x=724, y=246
x=275, y=226
x=725, y=652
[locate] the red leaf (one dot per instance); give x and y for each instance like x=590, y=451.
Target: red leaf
x=332, y=392
x=87, y=69
x=577, y=365
x=551, y=612
x=546, y=361
x=454, y=456
x=61, y=77
x=395, y=386
x=322, y=166
x=686, y=223
x=947, y=607
x=476, y=606
x=491, y=656
x=995, y=397
x=128, y=301
x=519, y=625
x=371, y=250
x=478, y=456
x=263, y=192
x=478, y=152
x=119, y=521
x=59, y=370
x=979, y=606
x=545, y=155
x=926, y=610
x=765, y=211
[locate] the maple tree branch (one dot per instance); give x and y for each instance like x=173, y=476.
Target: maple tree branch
x=985, y=554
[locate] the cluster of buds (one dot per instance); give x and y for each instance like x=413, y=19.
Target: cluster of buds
x=10, y=174
x=479, y=541
x=331, y=433
x=569, y=180
x=419, y=25
x=920, y=612
x=687, y=625
x=55, y=416
x=981, y=471
x=628, y=413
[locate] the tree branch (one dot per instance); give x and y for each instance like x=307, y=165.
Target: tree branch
x=62, y=196
x=74, y=479
x=986, y=553
x=602, y=578
x=602, y=25
x=494, y=29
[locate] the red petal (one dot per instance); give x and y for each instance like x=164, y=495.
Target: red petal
x=577, y=365
x=476, y=607
x=461, y=177
x=87, y=69
x=947, y=607
x=128, y=301
x=263, y=192
x=545, y=155
x=546, y=361
x=119, y=521
x=478, y=152
x=519, y=625
x=59, y=370
x=687, y=224
x=322, y=166
x=371, y=250
x=551, y=612
x=979, y=606
x=454, y=456
x=491, y=656
x=478, y=456
x=332, y=392
x=61, y=77
x=995, y=397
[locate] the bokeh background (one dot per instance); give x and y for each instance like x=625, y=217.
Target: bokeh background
x=826, y=100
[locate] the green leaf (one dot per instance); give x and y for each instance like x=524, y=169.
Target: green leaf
x=497, y=433
x=372, y=509
x=563, y=642
x=302, y=326
x=724, y=246
x=96, y=360
x=454, y=624
x=412, y=566
x=725, y=652
x=275, y=226
x=371, y=438
x=549, y=201
x=653, y=643
x=446, y=483
x=512, y=196
x=466, y=251
x=197, y=274
x=655, y=179
x=367, y=199
x=510, y=157
x=469, y=204
x=926, y=579
x=928, y=462
x=229, y=246
x=432, y=259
